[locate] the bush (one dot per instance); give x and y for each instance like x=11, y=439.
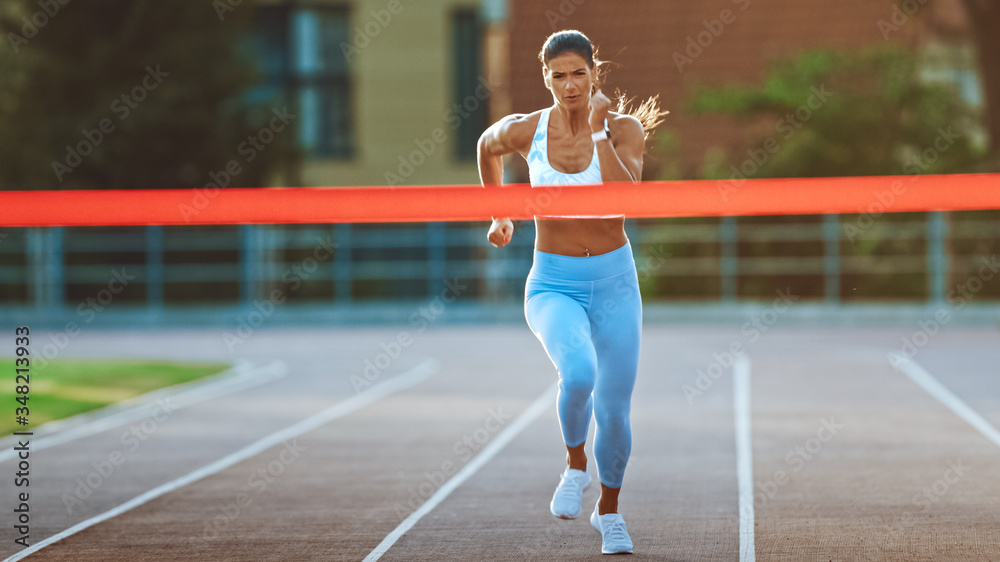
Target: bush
x=825, y=113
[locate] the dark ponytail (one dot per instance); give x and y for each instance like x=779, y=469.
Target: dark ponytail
x=648, y=112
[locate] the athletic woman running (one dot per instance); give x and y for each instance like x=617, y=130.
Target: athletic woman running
x=582, y=293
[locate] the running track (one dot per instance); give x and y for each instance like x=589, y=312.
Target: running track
x=868, y=455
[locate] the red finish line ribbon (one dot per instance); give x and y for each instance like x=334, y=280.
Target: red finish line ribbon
x=790, y=196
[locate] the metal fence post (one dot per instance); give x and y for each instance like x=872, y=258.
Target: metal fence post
x=45, y=267
x=154, y=267
x=35, y=246
x=831, y=258
x=271, y=243
x=635, y=239
x=57, y=286
x=436, y=256
x=248, y=255
x=728, y=261
x=342, y=274
x=937, y=258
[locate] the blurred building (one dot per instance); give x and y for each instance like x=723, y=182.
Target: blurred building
x=667, y=47
x=391, y=92
x=395, y=92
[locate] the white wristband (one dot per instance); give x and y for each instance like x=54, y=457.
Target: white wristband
x=599, y=136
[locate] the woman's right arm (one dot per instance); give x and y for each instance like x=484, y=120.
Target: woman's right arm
x=501, y=138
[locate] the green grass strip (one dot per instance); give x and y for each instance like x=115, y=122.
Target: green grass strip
x=66, y=387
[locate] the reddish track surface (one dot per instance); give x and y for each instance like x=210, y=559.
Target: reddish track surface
x=875, y=490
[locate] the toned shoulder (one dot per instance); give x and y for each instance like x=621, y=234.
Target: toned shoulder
x=519, y=129
x=623, y=125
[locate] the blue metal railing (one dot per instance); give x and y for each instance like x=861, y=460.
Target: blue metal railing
x=50, y=268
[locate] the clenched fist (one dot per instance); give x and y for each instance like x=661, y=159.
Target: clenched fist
x=600, y=104
x=500, y=232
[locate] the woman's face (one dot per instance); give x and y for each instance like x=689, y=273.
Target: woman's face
x=570, y=79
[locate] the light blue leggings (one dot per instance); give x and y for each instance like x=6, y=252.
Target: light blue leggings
x=587, y=313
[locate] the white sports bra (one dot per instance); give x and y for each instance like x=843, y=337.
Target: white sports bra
x=542, y=173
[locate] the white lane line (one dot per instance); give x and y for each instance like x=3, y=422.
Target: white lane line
x=240, y=377
x=541, y=404
x=395, y=384
x=933, y=387
x=744, y=454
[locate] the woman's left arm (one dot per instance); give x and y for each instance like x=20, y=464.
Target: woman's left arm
x=621, y=161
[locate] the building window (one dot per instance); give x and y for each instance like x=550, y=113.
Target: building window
x=470, y=91
x=298, y=51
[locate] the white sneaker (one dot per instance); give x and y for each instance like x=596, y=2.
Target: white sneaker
x=614, y=535
x=569, y=494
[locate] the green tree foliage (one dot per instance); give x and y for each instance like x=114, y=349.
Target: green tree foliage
x=983, y=17
x=166, y=80
x=879, y=118
x=825, y=113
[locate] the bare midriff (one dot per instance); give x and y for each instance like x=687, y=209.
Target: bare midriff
x=579, y=237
